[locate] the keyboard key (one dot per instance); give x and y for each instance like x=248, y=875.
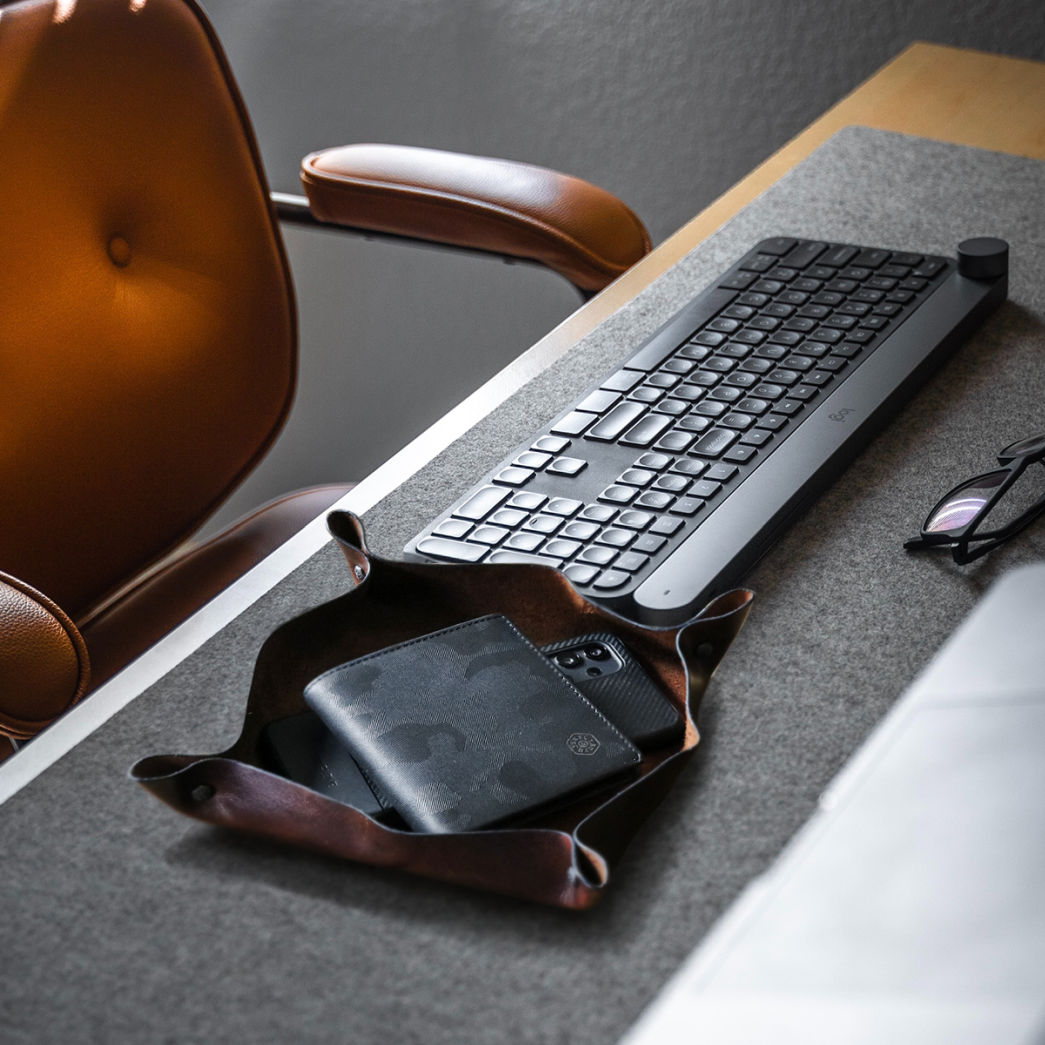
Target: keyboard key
x=634, y=520
x=871, y=259
x=489, y=534
x=740, y=454
x=532, y=460
x=573, y=423
x=673, y=483
x=623, y=381
x=580, y=574
x=619, y=418
x=481, y=503
x=453, y=528
x=528, y=502
x=631, y=561
x=741, y=379
x=708, y=408
x=663, y=380
x=788, y=407
x=687, y=506
x=637, y=477
x=655, y=462
x=567, y=466
x=598, y=402
x=673, y=407
x=546, y=524
x=753, y=405
x=818, y=378
x=649, y=544
x=741, y=422
x=837, y=257
x=563, y=506
x=715, y=442
x=580, y=530
x=599, y=513
x=677, y=441
x=655, y=499
x=695, y=423
x=643, y=433
x=678, y=366
x=756, y=437
x=610, y=579
x=453, y=551
x=505, y=555
x=645, y=394
x=759, y=263
x=720, y=473
x=704, y=488
x=687, y=466
x=804, y=254
x=510, y=517
x=777, y=245
x=618, y=494
x=666, y=526
x=928, y=268
x=561, y=549
x=738, y=281
x=615, y=537
x=512, y=476
x=599, y=554
x=708, y=338
x=551, y=444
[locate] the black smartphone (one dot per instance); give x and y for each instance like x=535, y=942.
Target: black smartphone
x=302, y=749
x=604, y=670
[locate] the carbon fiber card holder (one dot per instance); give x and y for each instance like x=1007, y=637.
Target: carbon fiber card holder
x=468, y=727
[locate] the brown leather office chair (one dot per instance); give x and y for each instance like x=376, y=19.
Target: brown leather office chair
x=147, y=323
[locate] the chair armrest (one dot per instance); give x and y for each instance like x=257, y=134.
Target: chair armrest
x=44, y=668
x=511, y=209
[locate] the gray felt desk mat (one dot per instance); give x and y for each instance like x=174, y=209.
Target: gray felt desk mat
x=126, y=922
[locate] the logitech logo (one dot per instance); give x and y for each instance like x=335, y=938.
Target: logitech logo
x=582, y=743
x=839, y=415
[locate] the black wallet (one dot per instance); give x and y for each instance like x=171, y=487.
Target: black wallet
x=468, y=727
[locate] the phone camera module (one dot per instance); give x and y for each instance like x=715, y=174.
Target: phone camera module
x=568, y=660
x=596, y=652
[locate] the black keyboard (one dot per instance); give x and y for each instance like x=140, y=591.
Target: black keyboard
x=670, y=477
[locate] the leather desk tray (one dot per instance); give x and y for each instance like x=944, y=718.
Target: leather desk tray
x=564, y=860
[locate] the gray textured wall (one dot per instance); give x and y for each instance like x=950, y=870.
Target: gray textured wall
x=665, y=103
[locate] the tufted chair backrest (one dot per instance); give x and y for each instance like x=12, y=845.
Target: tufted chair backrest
x=147, y=328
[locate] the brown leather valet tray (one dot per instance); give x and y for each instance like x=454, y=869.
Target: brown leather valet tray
x=564, y=859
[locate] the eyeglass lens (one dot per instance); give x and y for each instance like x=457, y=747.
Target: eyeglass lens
x=965, y=503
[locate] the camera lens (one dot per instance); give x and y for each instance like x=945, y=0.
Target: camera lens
x=567, y=660
x=596, y=652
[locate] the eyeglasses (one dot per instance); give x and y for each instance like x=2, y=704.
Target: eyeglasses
x=996, y=500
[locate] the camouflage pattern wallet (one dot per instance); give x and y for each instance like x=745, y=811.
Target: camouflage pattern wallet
x=468, y=727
